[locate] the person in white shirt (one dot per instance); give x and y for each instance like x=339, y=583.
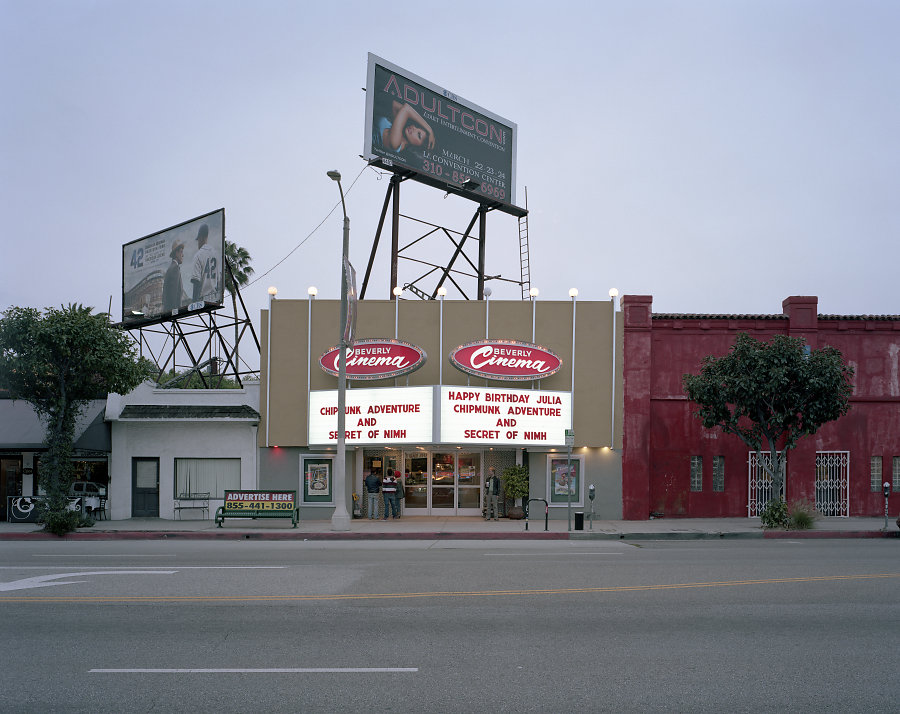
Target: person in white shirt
x=205, y=274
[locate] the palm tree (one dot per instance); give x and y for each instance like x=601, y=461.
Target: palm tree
x=238, y=275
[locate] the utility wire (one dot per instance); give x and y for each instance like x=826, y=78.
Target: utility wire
x=311, y=233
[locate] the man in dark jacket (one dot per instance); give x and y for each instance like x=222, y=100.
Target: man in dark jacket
x=373, y=488
x=492, y=494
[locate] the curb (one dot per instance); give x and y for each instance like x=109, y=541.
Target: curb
x=277, y=535
x=793, y=535
x=435, y=535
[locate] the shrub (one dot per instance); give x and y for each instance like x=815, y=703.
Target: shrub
x=515, y=481
x=61, y=522
x=801, y=516
x=775, y=514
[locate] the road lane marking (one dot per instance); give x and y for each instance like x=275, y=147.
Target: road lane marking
x=101, y=555
x=449, y=593
x=541, y=555
x=149, y=568
x=260, y=670
x=46, y=581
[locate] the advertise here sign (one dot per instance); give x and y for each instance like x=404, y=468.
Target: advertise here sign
x=473, y=415
x=401, y=415
x=260, y=500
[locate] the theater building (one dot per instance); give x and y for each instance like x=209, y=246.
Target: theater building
x=441, y=391
x=674, y=467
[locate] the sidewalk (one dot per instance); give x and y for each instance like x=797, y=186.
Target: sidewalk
x=456, y=528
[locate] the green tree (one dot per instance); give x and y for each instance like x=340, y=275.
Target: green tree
x=771, y=394
x=57, y=362
x=237, y=275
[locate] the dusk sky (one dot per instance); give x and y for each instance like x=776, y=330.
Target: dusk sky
x=717, y=155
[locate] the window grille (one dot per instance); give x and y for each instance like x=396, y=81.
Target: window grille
x=895, y=473
x=718, y=473
x=875, y=474
x=696, y=473
x=833, y=483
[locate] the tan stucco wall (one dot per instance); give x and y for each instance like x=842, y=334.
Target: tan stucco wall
x=419, y=323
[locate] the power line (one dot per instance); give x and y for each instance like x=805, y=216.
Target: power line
x=311, y=233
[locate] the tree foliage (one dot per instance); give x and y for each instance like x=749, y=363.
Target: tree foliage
x=58, y=361
x=771, y=394
x=236, y=277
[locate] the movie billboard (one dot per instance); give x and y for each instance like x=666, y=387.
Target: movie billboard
x=174, y=272
x=446, y=140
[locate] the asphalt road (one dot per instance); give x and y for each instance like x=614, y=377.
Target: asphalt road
x=421, y=626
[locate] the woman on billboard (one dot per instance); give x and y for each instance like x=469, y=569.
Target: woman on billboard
x=405, y=127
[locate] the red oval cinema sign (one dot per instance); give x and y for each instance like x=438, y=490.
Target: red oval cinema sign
x=376, y=359
x=505, y=359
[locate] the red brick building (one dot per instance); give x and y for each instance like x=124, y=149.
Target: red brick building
x=671, y=465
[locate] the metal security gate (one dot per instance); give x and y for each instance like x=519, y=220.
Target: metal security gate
x=833, y=483
x=759, y=492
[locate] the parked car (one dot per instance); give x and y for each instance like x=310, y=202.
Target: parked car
x=87, y=488
x=86, y=496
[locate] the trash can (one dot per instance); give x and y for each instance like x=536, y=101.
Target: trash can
x=579, y=520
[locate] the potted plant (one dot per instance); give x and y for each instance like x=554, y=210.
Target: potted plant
x=515, y=486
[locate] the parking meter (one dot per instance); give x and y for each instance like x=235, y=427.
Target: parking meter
x=591, y=494
x=887, y=488
x=887, y=493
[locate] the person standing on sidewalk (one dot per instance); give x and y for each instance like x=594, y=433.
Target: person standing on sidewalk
x=492, y=491
x=389, y=491
x=373, y=488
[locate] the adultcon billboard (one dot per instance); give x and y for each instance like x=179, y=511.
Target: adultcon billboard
x=412, y=124
x=175, y=271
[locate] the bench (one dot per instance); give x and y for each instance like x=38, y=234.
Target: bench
x=195, y=501
x=259, y=504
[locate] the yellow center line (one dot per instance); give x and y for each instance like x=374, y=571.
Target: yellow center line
x=447, y=593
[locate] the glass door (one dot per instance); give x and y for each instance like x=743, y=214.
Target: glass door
x=469, y=484
x=415, y=484
x=443, y=483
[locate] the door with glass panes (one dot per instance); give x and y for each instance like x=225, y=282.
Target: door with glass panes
x=439, y=483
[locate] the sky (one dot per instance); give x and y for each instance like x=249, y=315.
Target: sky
x=718, y=155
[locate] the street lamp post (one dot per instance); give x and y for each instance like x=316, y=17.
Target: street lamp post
x=340, y=521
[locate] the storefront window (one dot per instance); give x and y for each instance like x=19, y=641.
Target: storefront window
x=212, y=476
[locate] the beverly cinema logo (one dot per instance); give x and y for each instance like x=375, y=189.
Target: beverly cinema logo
x=505, y=359
x=375, y=359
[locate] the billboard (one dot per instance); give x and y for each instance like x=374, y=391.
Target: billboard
x=447, y=141
x=175, y=271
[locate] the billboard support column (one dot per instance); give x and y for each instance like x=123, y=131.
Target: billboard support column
x=395, y=234
x=482, y=236
x=384, y=208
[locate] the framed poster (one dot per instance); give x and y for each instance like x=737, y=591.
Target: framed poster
x=565, y=475
x=316, y=474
